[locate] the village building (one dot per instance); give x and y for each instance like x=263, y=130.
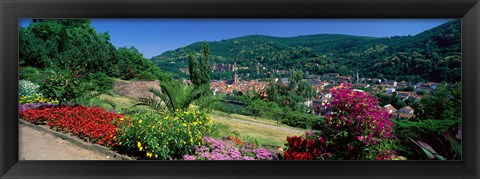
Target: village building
x=406, y=110
x=390, y=109
x=390, y=90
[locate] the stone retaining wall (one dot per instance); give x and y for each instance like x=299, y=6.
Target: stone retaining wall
x=135, y=89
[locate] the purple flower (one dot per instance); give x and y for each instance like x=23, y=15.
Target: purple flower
x=217, y=149
x=188, y=157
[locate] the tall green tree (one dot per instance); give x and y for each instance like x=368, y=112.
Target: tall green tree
x=199, y=67
x=64, y=43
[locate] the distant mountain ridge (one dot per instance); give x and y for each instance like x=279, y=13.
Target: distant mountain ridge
x=433, y=55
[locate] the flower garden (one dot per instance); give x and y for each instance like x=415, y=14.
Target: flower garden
x=355, y=129
x=67, y=69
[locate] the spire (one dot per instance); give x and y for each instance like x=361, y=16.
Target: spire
x=235, y=78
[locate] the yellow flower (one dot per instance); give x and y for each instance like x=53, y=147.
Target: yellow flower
x=140, y=121
x=191, y=140
x=153, y=127
x=140, y=149
x=184, y=125
x=120, y=143
x=121, y=119
x=139, y=144
x=149, y=155
x=156, y=155
x=184, y=142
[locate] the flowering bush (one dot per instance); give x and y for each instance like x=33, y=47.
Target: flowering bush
x=35, y=98
x=306, y=148
x=356, y=129
x=65, y=85
x=27, y=88
x=91, y=124
x=217, y=149
x=164, y=136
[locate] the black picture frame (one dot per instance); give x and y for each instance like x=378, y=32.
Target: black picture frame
x=12, y=10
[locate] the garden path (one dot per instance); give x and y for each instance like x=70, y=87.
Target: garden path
x=37, y=145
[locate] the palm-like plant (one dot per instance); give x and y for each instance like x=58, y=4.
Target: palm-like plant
x=177, y=96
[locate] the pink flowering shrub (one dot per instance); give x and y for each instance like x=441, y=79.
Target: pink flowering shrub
x=356, y=128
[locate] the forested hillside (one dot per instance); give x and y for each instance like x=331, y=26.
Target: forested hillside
x=433, y=55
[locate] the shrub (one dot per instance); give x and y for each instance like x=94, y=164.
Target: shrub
x=100, y=82
x=356, y=129
x=91, y=124
x=66, y=86
x=302, y=120
x=146, y=75
x=27, y=88
x=164, y=136
x=30, y=74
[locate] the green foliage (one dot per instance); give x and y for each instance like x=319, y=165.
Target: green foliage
x=292, y=95
x=199, y=68
x=100, y=82
x=301, y=120
x=177, y=96
x=406, y=130
x=262, y=108
x=446, y=146
x=64, y=85
x=27, y=88
x=443, y=104
x=164, y=136
x=66, y=43
x=145, y=75
x=31, y=74
x=394, y=100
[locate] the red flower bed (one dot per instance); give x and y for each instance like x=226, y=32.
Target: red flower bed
x=93, y=124
x=300, y=148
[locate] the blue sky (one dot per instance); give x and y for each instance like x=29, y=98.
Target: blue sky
x=154, y=36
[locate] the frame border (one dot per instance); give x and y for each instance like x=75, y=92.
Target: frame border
x=11, y=11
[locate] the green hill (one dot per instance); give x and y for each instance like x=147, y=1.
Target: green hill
x=433, y=55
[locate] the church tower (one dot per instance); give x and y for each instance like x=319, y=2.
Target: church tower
x=235, y=77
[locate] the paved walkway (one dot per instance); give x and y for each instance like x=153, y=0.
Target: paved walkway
x=37, y=145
